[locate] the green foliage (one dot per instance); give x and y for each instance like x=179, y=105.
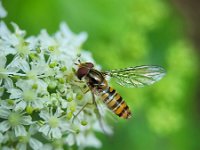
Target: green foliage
x=129, y=33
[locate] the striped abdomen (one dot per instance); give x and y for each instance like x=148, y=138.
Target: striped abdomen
x=115, y=102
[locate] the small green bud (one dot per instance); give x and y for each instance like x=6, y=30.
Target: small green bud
x=73, y=70
x=23, y=139
x=40, y=122
x=63, y=69
x=34, y=86
x=77, y=131
x=29, y=109
x=33, y=56
x=69, y=99
x=10, y=102
x=51, y=48
x=61, y=80
x=79, y=96
x=38, y=50
x=52, y=64
x=84, y=123
x=72, y=108
x=69, y=115
x=25, y=43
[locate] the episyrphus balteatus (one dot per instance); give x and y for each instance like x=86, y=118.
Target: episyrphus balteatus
x=135, y=77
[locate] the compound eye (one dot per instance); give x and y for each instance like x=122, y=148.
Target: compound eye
x=82, y=72
x=89, y=64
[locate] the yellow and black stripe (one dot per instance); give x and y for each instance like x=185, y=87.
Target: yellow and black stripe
x=115, y=102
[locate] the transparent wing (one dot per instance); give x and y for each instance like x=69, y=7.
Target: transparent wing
x=137, y=76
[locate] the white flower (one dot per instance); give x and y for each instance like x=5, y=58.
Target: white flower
x=14, y=120
x=29, y=140
x=83, y=140
x=27, y=95
x=13, y=43
x=38, y=81
x=53, y=123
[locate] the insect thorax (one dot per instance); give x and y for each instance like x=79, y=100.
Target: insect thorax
x=96, y=80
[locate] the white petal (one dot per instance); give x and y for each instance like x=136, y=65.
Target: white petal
x=23, y=65
x=58, y=112
x=13, y=66
x=15, y=93
x=4, y=126
x=7, y=148
x=65, y=29
x=56, y=133
x=20, y=130
x=35, y=144
x=33, y=129
x=45, y=129
x=37, y=104
x=70, y=140
x=1, y=137
x=5, y=33
x=33, y=42
x=26, y=120
x=46, y=40
x=3, y=12
x=47, y=147
x=4, y=113
x=23, y=84
x=20, y=106
x=3, y=61
x=92, y=141
x=18, y=31
x=44, y=114
x=7, y=49
x=8, y=83
x=21, y=146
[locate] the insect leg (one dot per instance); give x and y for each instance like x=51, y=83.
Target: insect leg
x=98, y=113
x=81, y=110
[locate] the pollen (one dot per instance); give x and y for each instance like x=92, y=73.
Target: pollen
x=53, y=122
x=14, y=119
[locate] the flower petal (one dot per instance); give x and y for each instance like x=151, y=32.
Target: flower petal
x=33, y=129
x=3, y=12
x=21, y=146
x=37, y=104
x=20, y=106
x=20, y=130
x=26, y=120
x=1, y=137
x=70, y=140
x=18, y=31
x=4, y=126
x=56, y=133
x=8, y=83
x=58, y=112
x=45, y=129
x=4, y=31
x=44, y=114
x=92, y=141
x=35, y=144
x=2, y=62
x=4, y=113
x=15, y=93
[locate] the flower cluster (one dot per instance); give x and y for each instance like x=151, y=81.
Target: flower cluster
x=40, y=94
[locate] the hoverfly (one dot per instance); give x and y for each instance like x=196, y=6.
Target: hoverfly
x=139, y=76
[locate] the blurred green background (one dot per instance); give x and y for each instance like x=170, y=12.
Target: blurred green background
x=130, y=33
